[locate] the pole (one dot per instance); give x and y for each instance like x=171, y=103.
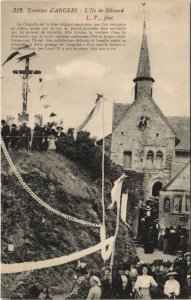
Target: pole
x=116, y=232
x=103, y=170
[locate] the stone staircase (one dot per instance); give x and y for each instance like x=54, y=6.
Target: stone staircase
x=137, y=243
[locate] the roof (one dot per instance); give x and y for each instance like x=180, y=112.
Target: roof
x=175, y=177
x=144, y=70
x=182, y=127
x=119, y=109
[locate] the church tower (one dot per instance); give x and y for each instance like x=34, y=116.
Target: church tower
x=143, y=80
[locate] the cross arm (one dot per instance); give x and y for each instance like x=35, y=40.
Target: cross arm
x=28, y=72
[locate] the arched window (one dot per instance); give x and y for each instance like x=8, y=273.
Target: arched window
x=167, y=204
x=150, y=158
x=159, y=159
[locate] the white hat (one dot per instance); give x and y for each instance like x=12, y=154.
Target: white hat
x=96, y=280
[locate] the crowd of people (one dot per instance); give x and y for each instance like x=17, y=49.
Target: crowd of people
x=153, y=236
x=41, y=138
x=135, y=280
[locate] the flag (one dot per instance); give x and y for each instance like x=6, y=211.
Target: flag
x=21, y=58
x=116, y=191
x=11, y=56
x=52, y=115
x=42, y=97
x=88, y=118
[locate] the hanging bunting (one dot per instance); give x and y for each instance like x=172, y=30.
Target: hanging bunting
x=116, y=191
x=89, y=117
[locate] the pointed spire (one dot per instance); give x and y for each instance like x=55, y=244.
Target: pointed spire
x=144, y=70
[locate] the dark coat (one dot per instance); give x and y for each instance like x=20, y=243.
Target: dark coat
x=5, y=131
x=14, y=138
x=117, y=287
x=106, y=289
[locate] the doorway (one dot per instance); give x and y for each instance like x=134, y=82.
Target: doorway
x=157, y=186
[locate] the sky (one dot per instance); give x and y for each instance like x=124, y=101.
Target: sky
x=71, y=79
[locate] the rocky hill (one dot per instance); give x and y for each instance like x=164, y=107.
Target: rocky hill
x=38, y=234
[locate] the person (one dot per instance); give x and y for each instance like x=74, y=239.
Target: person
x=95, y=290
x=173, y=242
x=81, y=285
x=166, y=266
x=106, y=283
x=186, y=291
x=172, y=286
x=122, y=284
x=5, y=133
x=166, y=241
x=45, y=134
x=186, y=264
x=157, y=292
x=144, y=282
x=14, y=137
x=59, y=131
x=37, y=138
x=24, y=136
x=182, y=245
x=52, y=142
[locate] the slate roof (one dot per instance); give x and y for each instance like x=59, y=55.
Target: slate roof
x=181, y=126
x=176, y=176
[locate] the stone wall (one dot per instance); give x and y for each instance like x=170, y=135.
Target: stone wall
x=170, y=217
x=157, y=137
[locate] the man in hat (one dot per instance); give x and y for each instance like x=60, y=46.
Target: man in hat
x=157, y=292
x=14, y=137
x=122, y=284
x=24, y=136
x=166, y=266
x=59, y=131
x=5, y=133
x=172, y=286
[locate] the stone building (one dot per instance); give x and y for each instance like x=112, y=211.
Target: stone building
x=174, y=204
x=143, y=139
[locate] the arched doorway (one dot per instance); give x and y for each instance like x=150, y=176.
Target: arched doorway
x=157, y=186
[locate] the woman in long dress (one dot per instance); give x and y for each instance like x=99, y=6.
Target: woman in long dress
x=144, y=282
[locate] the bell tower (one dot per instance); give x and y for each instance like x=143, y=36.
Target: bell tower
x=143, y=80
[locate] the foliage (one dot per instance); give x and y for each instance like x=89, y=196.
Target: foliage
x=86, y=153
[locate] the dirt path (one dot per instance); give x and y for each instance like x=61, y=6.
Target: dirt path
x=148, y=258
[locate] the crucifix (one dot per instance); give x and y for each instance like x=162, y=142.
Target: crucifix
x=24, y=74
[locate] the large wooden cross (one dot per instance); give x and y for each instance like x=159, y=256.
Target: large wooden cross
x=25, y=88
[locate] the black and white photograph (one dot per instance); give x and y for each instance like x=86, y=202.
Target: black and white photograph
x=95, y=149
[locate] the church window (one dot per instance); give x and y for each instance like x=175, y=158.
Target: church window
x=121, y=144
x=159, y=159
x=186, y=203
x=178, y=204
x=167, y=204
x=127, y=159
x=122, y=133
x=150, y=158
x=157, y=134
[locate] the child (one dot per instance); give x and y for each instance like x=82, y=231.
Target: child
x=51, y=142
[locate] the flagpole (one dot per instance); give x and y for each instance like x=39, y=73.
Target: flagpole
x=103, y=170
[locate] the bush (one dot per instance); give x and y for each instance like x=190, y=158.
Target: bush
x=85, y=152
